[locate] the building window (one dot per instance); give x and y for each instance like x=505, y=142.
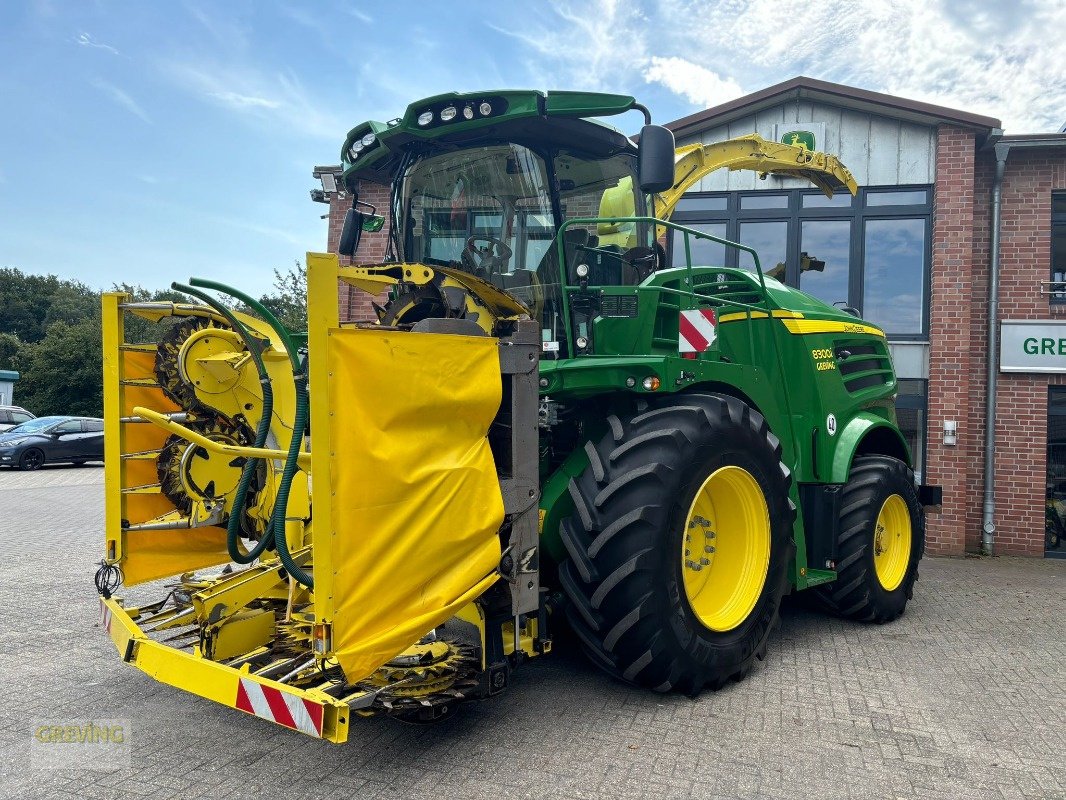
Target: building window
x=911, y=405
x=702, y=251
x=893, y=291
x=1055, y=498
x=825, y=259
x=870, y=253
x=769, y=239
x=1058, y=247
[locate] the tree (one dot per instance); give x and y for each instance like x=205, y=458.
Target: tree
x=71, y=303
x=141, y=330
x=289, y=301
x=61, y=374
x=24, y=303
x=10, y=348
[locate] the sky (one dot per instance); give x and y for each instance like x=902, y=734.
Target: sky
x=145, y=142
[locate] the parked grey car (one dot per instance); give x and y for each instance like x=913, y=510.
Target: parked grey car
x=10, y=416
x=51, y=440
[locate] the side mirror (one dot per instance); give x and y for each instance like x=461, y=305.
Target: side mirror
x=350, y=233
x=656, y=159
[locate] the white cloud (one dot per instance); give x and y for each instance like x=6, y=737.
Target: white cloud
x=243, y=101
x=245, y=90
x=85, y=40
x=226, y=32
x=121, y=98
x=695, y=83
x=974, y=57
x=595, y=46
x=1005, y=60
x=359, y=14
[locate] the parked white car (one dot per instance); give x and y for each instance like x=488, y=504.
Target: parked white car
x=10, y=416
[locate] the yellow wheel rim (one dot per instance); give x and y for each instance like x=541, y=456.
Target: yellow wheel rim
x=892, y=542
x=725, y=552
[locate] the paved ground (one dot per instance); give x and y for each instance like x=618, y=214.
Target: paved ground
x=965, y=697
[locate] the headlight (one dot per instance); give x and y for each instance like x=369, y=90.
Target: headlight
x=9, y=445
x=582, y=270
x=425, y=118
x=447, y=114
x=368, y=140
x=468, y=112
x=485, y=109
x=357, y=147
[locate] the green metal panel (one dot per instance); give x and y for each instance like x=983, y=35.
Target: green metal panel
x=588, y=104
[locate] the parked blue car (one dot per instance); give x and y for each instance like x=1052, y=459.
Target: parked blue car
x=52, y=440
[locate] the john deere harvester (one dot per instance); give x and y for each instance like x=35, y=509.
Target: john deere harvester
x=547, y=425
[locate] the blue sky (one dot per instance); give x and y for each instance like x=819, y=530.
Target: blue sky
x=146, y=142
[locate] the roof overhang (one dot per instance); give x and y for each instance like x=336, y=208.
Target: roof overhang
x=1034, y=140
x=836, y=94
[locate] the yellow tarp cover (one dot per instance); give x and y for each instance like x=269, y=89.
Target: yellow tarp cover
x=416, y=503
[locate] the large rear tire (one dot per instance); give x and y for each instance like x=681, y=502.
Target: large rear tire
x=882, y=539
x=680, y=544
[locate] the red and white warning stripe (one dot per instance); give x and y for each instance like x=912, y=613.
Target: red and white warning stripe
x=697, y=329
x=280, y=707
x=105, y=616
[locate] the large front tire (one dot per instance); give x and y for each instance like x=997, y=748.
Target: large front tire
x=881, y=541
x=680, y=544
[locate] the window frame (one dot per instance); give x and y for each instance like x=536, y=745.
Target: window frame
x=918, y=402
x=857, y=213
x=1056, y=297
x=1053, y=391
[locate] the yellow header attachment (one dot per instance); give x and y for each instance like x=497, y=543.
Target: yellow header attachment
x=753, y=152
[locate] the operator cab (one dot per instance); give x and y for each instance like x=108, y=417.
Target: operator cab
x=502, y=198
x=494, y=210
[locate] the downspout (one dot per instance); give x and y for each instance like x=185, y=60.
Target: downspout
x=988, y=526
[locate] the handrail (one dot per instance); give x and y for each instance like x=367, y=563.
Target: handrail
x=566, y=288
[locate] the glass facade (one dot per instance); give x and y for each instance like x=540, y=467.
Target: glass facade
x=894, y=274
x=910, y=416
x=870, y=253
x=1055, y=498
x=1058, y=247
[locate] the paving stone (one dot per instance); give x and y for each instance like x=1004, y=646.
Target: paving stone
x=963, y=697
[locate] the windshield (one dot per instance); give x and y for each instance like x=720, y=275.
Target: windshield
x=492, y=211
x=35, y=425
x=485, y=210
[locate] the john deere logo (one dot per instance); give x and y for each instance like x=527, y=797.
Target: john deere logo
x=804, y=139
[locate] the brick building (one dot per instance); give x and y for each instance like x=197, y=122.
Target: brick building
x=912, y=253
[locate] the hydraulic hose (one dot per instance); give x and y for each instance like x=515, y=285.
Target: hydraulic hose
x=233, y=527
x=299, y=426
x=282, y=501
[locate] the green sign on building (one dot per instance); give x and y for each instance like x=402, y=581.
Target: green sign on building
x=1032, y=345
x=801, y=138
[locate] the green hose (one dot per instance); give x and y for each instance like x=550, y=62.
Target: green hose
x=282, y=501
x=233, y=528
x=299, y=426
x=261, y=310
